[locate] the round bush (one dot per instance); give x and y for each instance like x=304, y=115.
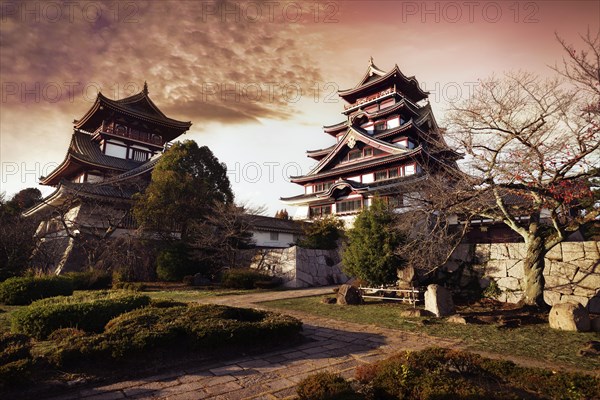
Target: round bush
x=43, y=317
x=325, y=386
x=24, y=290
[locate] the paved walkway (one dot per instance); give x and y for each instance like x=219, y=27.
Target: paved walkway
x=334, y=346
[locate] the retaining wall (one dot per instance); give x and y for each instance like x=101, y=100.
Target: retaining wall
x=572, y=270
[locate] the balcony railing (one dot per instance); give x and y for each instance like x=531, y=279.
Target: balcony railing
x=129, y=133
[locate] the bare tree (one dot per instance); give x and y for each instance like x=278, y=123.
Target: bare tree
x=533, y=146
x=224, y=231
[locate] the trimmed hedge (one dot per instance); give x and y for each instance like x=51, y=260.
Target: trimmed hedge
x=90, y=280
x=244, y=278
x=24, y=290
x=200, y=327
x=85, y=312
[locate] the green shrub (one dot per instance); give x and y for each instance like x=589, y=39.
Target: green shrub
x=325, y=386
x=243, y=278
x=203, y=327
x=24, y=290
x=15, y=358
x=173, y=263
x=43, y=317
x=90, y=280
x=269, y=284
x=451, y=374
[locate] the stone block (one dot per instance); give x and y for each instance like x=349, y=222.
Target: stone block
x=587, y=280
x=569, y=316
x=566, y=270
x=514, y=296
x=438, y=300
x=508, y=283
x=516, y=270
x=591, y=251
x=499, y=251
x=482, y=253
x=551, y=297
x=558, y=284
x=575, y=299
x=517, y=251
x=496, y=268
x=572, y=251
x=348, y=295
x=555, y=253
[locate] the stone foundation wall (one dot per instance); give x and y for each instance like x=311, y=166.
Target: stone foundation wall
x=572, y=271
x=299, y=267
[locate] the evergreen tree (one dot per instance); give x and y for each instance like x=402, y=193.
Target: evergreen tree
x=186, y=183
x=369, y=252
x=323, y=233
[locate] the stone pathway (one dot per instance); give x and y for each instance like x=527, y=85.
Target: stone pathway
x=333, y=345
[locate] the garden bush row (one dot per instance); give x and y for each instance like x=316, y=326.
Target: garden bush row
x=198, y=327
x=88, y=312
x=24, y=290
x=448, y=374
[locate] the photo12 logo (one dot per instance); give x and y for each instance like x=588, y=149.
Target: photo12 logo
x=269, y=171
x=526, y=12
x=69, y=11
x=269, y=11
x=54, y=92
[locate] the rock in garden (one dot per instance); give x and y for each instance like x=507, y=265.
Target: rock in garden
x=328, y=300
x=415, y=312
x=457, y=319
x=348, y=295
x=438, y=300
x=590, y=349
x=569, y=317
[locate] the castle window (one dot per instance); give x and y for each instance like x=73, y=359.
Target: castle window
x=274, y=235
x=348, y=206
x=139, y=155
x=319, y=211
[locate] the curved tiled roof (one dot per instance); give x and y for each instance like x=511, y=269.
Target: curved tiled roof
x=84, y=152
x=139, y=106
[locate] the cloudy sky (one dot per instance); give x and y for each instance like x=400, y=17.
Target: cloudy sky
x=257, y=79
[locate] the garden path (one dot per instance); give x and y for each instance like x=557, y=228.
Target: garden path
x=332, y=345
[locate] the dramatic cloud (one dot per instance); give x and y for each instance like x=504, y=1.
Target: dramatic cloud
x=257, y=78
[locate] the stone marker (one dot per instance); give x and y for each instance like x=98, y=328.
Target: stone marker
x=348, y=295
x=438, y=300
x=569, y=317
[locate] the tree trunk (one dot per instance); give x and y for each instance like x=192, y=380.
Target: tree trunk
x=533, y=266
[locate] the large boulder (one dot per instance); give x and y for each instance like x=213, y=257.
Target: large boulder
x=438, y=300
x=569, y=317
x=348, y=295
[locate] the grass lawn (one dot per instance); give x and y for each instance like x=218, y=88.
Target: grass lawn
x=537, y=341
